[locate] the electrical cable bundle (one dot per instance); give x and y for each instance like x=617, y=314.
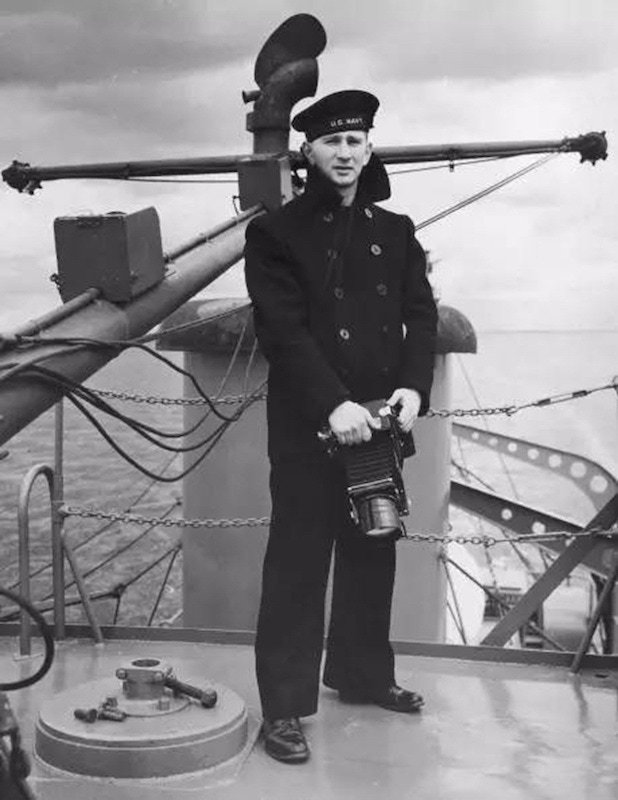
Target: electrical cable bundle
x=81, y=396
x=48, y=640
x=14, y=761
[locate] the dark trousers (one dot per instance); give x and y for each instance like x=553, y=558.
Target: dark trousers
x=309, y=514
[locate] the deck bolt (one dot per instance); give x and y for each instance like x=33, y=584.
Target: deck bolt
x=111, y=714
x=85, y=714
x=121, y=674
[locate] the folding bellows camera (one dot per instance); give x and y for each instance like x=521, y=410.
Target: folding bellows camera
x=373, y=475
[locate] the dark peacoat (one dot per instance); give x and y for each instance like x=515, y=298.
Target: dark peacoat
x=342, y=307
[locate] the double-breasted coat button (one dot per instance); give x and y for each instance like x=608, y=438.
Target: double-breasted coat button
x=382, y=289
x=344, y=333
x=369, y=213
x=328, y=217
x=376, y=249
x=338, y=292
x=331, y=254
x=384, y=329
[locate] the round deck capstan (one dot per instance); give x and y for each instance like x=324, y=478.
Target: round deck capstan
x=150, y=724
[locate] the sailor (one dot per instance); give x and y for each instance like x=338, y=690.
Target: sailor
x=344, y=314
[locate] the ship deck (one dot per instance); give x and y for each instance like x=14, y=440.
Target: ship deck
x=513, y=731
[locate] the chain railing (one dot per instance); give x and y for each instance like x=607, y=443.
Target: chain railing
x=506, y=410
x=441, y=539
x=88, y=512
x=151, y=399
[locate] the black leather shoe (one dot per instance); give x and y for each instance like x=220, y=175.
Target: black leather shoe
x=284, y=740
x=394, y=698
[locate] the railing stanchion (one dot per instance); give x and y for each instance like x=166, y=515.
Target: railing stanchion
x=58, y=524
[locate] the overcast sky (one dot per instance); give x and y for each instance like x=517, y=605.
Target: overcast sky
x=102, y=80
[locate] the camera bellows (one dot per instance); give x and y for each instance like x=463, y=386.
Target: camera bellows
x=375, y=487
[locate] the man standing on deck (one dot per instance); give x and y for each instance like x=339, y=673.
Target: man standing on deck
x=344, y=314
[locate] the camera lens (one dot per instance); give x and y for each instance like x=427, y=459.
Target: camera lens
x=378, y=517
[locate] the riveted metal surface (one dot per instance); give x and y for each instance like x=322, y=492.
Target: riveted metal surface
x=522, y=519
x=597, y=483
x=189, y=740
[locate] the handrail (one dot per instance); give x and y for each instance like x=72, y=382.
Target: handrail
x=23, y=527
x=59, y=548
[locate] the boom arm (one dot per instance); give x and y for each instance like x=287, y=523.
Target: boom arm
x=21, y=176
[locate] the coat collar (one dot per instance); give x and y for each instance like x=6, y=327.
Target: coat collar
x=373, y=186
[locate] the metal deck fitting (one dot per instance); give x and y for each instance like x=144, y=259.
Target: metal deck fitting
x=151, y=725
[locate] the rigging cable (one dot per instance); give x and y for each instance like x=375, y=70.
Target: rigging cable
x=467, y=473
x=102, y=529
x=484, y=192
x=458, y=619
x=106, y=560
x=451, y=165
x=168, y=571
x=211, y=181
x=524, y=559
x=185, y=326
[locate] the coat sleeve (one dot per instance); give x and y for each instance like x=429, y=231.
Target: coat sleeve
x=420, y=317
x=282, y=326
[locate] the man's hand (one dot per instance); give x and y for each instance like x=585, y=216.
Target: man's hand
x=409, y=403
x=352, y=423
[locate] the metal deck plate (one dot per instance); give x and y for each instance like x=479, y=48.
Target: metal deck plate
x=488, y=730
